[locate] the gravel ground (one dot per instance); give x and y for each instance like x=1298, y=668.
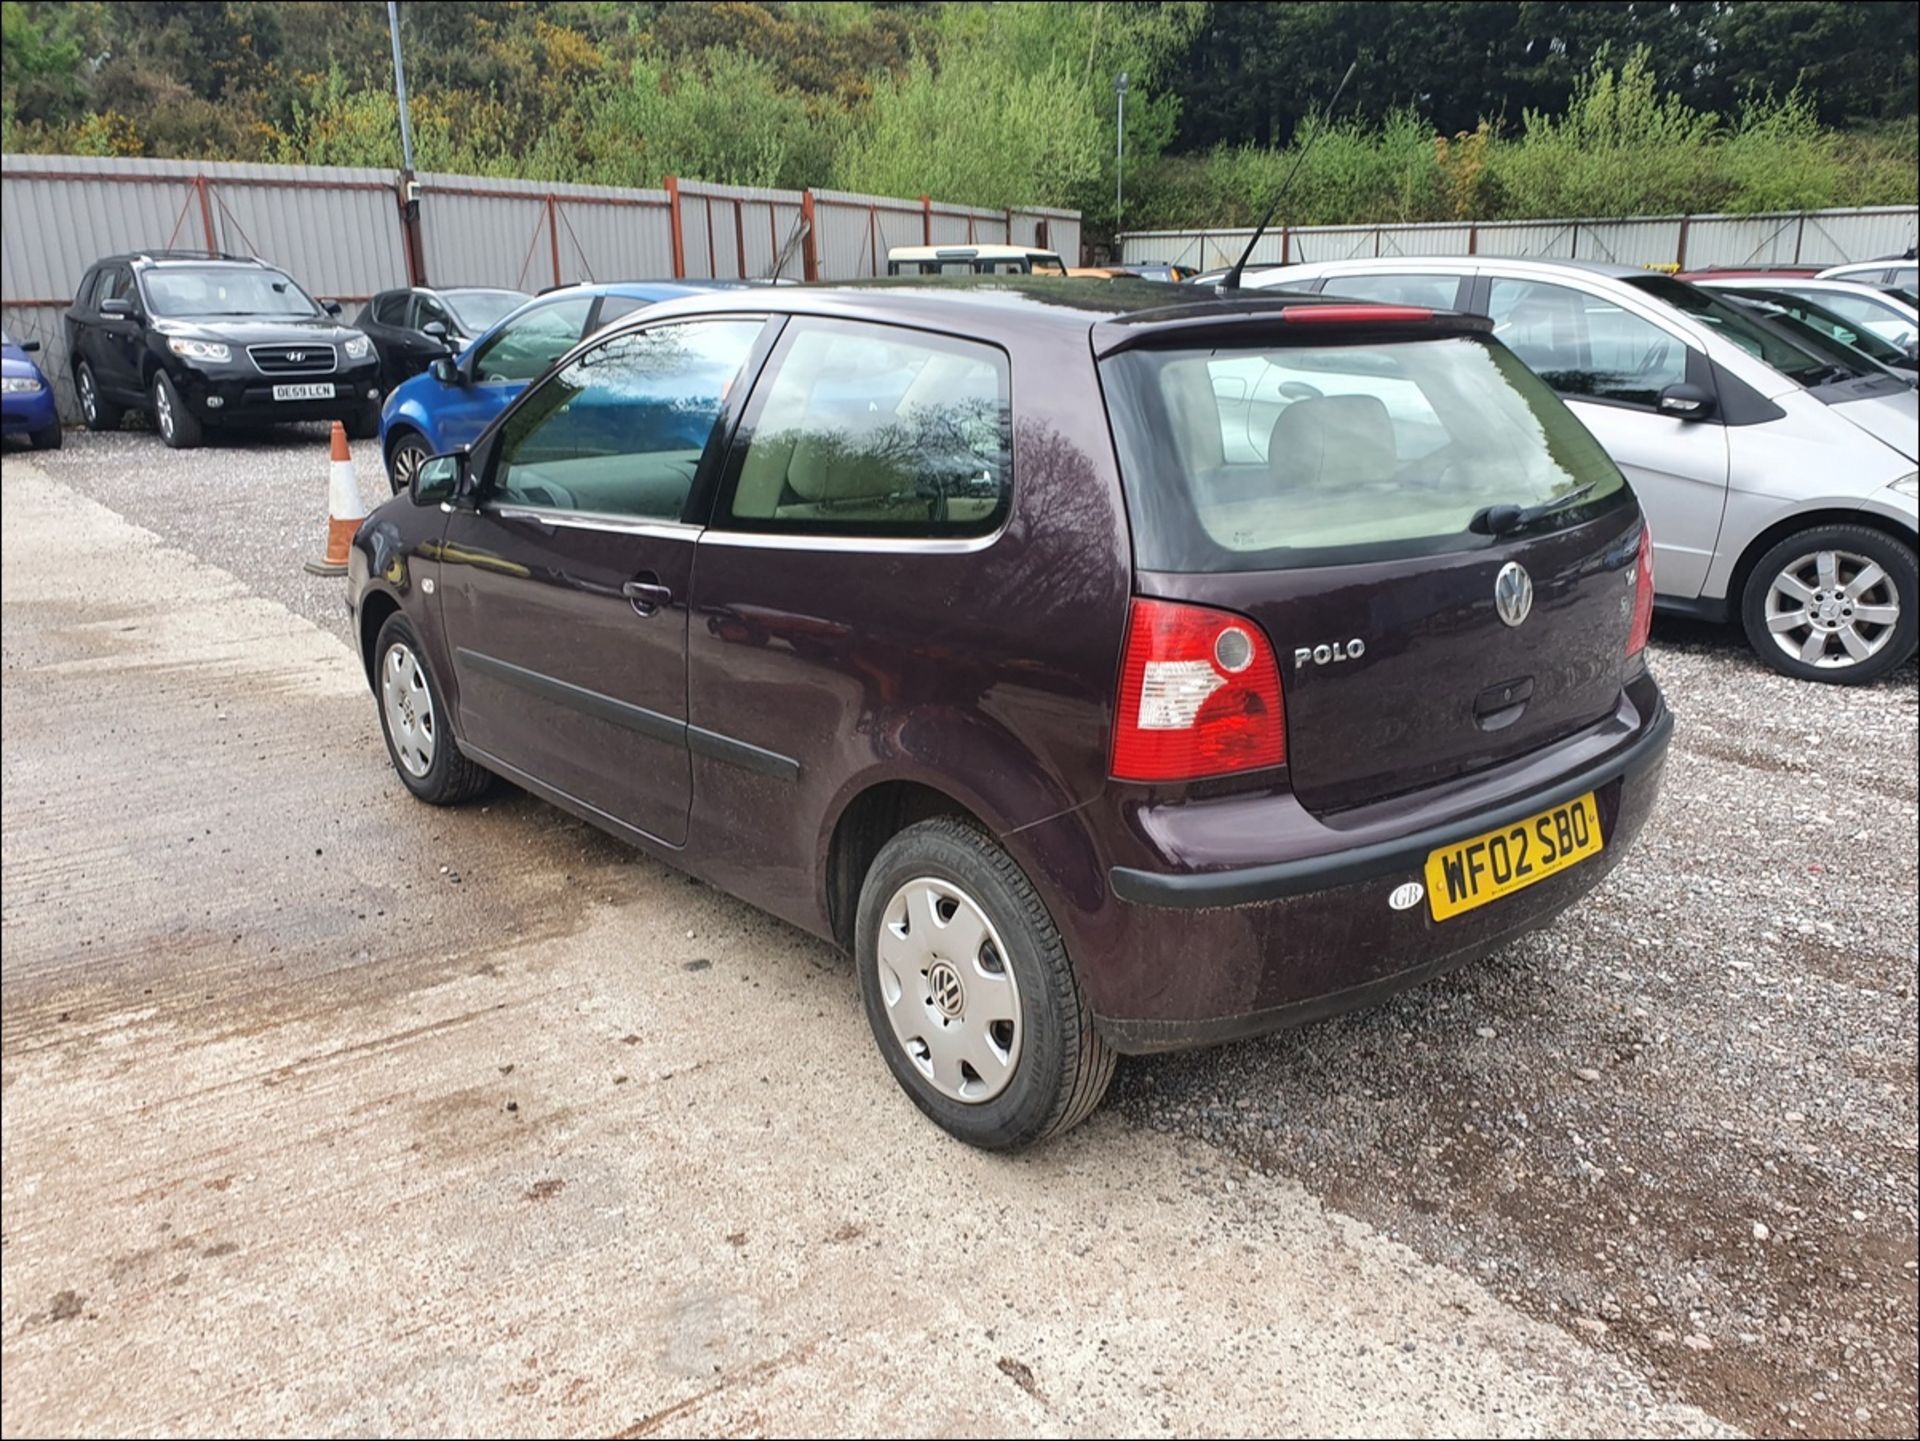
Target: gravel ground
x=1682, y=1123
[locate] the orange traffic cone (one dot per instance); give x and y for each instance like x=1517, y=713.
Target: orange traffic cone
x=345, y=509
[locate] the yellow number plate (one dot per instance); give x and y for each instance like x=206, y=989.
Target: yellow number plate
x=1484, y=868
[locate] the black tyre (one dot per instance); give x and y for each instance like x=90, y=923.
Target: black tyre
x=1836, y=604
x=364, y=423
x=970, y=993
x=48, y=439
x=95, y=409
x=409, y=448
x=413, y=718
x=171, y=417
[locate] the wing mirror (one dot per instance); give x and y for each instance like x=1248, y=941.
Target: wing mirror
x=29, y=346
x=332, y=307
x=436, y=328
x=442, y=369
x=118, y=305
x=440, y=478
x=1686, y=402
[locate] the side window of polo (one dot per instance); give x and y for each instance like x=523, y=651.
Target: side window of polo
x=1584, y=346
x=621, y=429
x=863, y=429
x=533, y=342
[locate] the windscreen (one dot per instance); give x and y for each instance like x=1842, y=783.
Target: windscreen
x=1259, y=458
x=480, y=309
x=224, y=290
x=1771, y=345
x=1822, y=330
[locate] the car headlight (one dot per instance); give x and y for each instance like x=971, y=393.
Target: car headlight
x=20, y=385
x=357, y=347
x=199, y=349
x=1909, y=484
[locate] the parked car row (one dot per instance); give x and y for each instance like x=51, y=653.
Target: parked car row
x=1044, y=629
x=1776, y=464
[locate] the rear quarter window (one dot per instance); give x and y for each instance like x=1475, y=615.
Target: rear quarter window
x=864, y=429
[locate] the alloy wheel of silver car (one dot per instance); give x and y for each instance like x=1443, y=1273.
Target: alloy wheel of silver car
x=949, y=993
x=409, y=705
x=89, y=400
x=1832, y=609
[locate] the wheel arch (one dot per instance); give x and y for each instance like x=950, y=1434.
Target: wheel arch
x=1789, y=525
x=375, y=609
x=870, y=818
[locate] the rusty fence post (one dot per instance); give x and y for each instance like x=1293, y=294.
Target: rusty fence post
x=413, y=249
x=672, y=184
x=206, y=214
x=553, y=234
x=809, y=246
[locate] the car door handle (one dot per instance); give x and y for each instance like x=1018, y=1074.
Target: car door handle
x=646, y=596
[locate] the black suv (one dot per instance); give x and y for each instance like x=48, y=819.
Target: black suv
x=197, y=340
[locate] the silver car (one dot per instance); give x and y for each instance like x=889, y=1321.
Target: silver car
x=1900, y=270
x=1780, y=486
x=1879, y=309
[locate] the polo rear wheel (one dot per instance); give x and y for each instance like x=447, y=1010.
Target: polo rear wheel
x=970, y=993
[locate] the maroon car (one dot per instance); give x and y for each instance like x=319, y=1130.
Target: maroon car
x=1108, y=669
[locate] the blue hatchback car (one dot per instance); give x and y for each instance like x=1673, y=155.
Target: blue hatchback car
x=451, y=402
x=26, y=400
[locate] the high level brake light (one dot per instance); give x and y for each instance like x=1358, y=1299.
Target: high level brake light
x=1199, y=695
x=1353, y=314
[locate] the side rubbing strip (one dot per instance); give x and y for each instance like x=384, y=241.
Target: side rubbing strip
x=635, y=718
x=739, y=753
x=574, y=697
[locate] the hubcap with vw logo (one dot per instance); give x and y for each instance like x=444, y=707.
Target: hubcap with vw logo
x=1513, y=593
x=950, y=995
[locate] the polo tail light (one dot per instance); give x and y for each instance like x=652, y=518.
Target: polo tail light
x=1642, y=594
x=1199, y=695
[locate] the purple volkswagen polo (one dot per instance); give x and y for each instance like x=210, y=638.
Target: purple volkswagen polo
x=1108, y=669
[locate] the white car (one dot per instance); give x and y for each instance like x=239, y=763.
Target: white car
x=973, y=260
x=1780, y=485
x=1903, y=271
x=1873, y=307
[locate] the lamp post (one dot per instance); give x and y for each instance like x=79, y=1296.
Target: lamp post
x=400, y=87
x=1119, y=146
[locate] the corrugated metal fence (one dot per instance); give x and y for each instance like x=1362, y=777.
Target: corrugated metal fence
x=346, y=234
x=1813, y=237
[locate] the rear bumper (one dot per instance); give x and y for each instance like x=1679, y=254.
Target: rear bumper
x=1284, y=879
x=1207, y=947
